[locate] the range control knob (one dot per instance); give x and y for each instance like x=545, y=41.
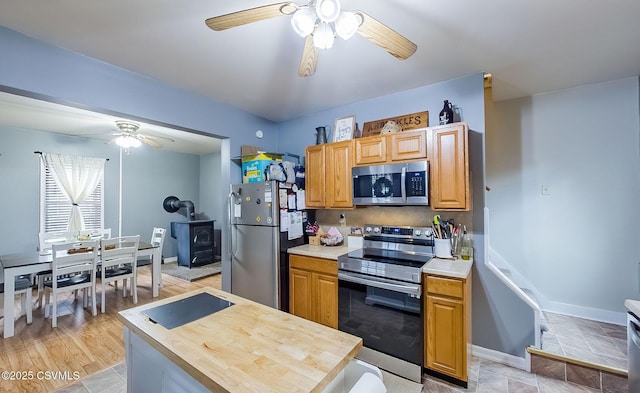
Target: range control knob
x=367, y=229
x=417, y=232
x=376, y=230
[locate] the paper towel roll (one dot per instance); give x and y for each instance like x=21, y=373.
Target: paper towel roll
x=368, y=383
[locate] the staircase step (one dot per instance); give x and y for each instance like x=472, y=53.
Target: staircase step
x=609, y=378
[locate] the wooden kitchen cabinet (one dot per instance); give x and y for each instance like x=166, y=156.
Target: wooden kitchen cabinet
x=328, y=175
x=447, y=326
x=371, y=150
x=449, y=165
x=338, y=181
x=396, y=147
x=314, y=176
x=313, y=289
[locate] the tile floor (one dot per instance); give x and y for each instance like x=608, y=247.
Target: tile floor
x=485, y=377
x=584, y=339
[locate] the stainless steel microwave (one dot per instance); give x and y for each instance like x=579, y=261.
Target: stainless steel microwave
x=391, y=184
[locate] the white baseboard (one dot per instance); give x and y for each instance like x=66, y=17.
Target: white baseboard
x=616, y=318
x=499, y=357
x=171, y=259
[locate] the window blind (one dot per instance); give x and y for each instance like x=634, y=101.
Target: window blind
x=55, y=207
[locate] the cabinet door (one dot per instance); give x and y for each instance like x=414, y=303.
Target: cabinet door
x=339, y=160
x=300, y=294
x=408, y=145
x=449, y=167
x=370, y=150
x=445, y=342
x=314, y=176
x=326, y=298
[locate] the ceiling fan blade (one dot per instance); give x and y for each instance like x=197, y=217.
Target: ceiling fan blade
x=148, y=141
x=251, y=15
x=309, y=59
x=383, y=36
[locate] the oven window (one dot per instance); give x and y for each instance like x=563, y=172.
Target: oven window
x=388, y=322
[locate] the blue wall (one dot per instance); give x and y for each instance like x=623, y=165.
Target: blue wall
x=148, y=176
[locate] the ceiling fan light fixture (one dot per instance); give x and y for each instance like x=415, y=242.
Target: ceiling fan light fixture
x=127, y=141
x=323, y=36
x=303, y=21
x=347, y=24
x=328, y=10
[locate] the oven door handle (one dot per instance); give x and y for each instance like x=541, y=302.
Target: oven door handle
x=410, y=289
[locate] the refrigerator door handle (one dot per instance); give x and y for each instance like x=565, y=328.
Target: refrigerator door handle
x=231, y=198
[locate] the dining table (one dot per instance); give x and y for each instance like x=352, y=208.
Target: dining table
x=14, y=265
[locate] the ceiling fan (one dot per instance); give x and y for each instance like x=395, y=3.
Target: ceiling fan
x=130, y=137
x=319, y=21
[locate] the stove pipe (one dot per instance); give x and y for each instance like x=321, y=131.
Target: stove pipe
x=172, y=204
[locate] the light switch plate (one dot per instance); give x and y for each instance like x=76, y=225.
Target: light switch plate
x=546, y=190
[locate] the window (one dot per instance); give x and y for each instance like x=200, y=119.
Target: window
x=55, y=208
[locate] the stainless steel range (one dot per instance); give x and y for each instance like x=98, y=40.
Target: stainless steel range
x=379, y=296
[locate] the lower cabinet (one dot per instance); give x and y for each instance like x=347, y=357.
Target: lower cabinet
x=447, y=326
x=313, y=289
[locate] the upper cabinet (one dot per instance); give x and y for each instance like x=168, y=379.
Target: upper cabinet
x=400, y=146
x=449, y=165
x=314, y=176
x=328, y=175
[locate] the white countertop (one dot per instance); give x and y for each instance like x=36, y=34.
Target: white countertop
x=457, y=268
x=633, y=306
x=326, y=252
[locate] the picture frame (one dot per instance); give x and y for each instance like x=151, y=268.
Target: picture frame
x=343, y=130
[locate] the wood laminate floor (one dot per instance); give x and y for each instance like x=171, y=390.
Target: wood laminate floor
x=49, y=359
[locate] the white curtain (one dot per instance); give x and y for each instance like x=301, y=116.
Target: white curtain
x=77, y=177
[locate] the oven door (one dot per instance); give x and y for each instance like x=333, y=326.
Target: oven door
x=386, y=314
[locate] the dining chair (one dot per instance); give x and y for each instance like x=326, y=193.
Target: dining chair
x=73, y=268
x=45, y=241
x=118, y=262
x=23, y=288
x=157, y=240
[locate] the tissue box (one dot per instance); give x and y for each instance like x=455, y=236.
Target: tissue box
x=315, y=240
x=253, y=166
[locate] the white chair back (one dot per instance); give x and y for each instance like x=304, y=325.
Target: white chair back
x=46, y=239
x=118, y=251
x=157, y=237
x=73, y=259
x=95, y=234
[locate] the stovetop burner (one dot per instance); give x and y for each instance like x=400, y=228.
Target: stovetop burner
x=391, y=252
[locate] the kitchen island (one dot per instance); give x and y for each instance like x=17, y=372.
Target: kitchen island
x=245, y=347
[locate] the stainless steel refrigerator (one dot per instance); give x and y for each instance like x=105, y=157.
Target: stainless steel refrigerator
x=259, y=268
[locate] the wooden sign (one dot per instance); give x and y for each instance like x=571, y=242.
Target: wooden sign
x=411, y=121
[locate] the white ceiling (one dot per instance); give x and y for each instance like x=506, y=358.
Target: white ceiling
x=528, y=46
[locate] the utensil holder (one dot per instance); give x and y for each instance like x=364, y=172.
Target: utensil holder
x=442, y=248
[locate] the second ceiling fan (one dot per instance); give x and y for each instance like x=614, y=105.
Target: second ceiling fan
x=319, y=21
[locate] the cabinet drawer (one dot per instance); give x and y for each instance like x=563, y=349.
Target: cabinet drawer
x=445, y=286
x=319, y=265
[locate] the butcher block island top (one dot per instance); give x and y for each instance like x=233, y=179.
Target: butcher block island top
x=247, y=347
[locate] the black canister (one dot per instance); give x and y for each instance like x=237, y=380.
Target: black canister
x=446, y=114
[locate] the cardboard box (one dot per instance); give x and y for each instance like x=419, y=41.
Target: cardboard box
x=315, y=240
x=254, y=166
